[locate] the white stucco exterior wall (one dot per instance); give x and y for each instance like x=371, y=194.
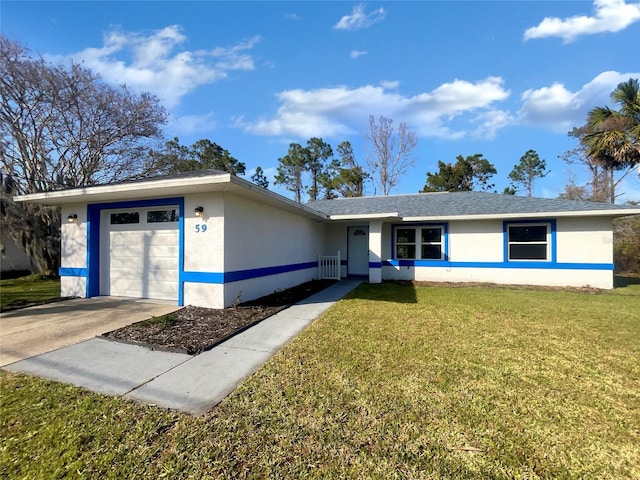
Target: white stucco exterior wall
x=585, y=240
x=375, y=251
x=204, y=249
x=477, y=241
x=259, y=236
x=73, y=250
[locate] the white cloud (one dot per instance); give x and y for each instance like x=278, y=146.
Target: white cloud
x=341, y=111
x=560, y=109
x=359, y=18
x=155, y=62
x=390, y=84
x=357, y=53
x=610, y=16
x=191, y=124
x=491, y=121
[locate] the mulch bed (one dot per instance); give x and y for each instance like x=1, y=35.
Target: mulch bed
x=193, y=330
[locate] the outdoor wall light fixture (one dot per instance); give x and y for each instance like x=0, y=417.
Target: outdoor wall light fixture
x=198, y=211
x=72, y=218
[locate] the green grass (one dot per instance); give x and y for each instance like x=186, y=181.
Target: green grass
x=627, y=284
x=393, y=382
x=28, y=290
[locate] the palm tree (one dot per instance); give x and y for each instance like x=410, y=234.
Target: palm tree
x=613, y=135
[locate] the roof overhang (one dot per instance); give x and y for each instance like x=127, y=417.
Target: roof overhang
x=530, y=215
x=367, y=216
x=162, y=188
x=170, y=187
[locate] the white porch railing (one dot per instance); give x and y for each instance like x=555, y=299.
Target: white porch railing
x=329, y=267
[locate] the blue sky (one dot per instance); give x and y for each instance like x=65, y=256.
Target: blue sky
x=497, y=78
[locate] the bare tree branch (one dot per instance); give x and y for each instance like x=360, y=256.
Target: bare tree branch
x=389, y=153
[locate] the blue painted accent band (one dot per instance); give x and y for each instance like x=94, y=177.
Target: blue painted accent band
x=229, y=277
x=375, y=264
x=266, y=271
x=203, y=277
x=512, y=264
x=73, y=272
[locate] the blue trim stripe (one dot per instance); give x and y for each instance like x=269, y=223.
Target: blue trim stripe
x=73, y=272
x=229, y=277
x=203, y=277
x=512, y=264
x=264, y=272
x=375, y=264
x=93, y=250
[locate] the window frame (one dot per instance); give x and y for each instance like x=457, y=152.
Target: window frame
x=117, y=218
x=549, y=242
x=418, y=243
x=173, y=216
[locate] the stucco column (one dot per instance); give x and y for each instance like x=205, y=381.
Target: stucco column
x=375, y=251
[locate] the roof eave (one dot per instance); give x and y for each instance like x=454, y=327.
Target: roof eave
x=143, y=189
x=509, y=216
x=170, y=187
x=367, y=216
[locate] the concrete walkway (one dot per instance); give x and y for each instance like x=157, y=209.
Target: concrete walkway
x=192, y=384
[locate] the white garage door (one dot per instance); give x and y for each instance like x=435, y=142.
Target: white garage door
x=140, y=253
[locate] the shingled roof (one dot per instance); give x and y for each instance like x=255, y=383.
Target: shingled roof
x=463, y=204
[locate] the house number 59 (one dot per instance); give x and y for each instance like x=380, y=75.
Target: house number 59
x=201, y=228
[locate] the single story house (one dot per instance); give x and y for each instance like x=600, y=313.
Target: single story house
x=212, y=239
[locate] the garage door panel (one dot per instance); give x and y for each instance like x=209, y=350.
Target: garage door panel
x=143, y=259
x=164, y=291
x=140, y=239
x=132, y=287
x=159, y=264
x=135, y=259
x=142, y=256
x=148, y=273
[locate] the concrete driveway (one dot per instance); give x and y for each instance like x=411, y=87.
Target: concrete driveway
x=36, y=330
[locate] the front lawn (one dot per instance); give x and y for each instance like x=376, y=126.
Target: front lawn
x=393, y=382
x=29, y=290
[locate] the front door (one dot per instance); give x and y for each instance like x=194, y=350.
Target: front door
x=358, y=251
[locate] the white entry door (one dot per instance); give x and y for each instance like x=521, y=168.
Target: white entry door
x=140, y=253
x=358, y=251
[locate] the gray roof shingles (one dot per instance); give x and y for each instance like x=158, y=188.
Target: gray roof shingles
x=449, y=204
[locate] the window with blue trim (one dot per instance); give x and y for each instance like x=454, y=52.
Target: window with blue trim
x=528, y=242
x=419, y=243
